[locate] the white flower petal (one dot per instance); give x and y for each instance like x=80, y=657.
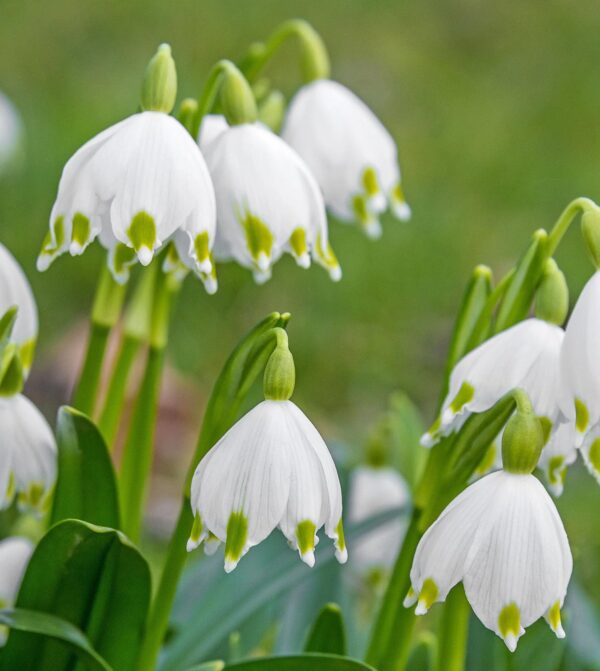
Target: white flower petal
x=211, y=127
x=557, y=455
x=11, y=131
x=15, y=290
x=15, y=553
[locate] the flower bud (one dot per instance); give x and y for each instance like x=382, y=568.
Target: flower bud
x=590, y=229
x=237, y=98
x=159, y=89
x=523, y=438
x=552, y=297
x=280, y=375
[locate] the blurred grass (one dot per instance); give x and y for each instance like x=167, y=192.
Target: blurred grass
x=495, y=107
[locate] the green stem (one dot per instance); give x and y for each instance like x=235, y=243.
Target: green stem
x=108, y=302
x=137, y=454
x=115, y=395
x=453, y=631
x=566, y=219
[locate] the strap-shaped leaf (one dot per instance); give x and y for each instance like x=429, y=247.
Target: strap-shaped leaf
x=54, y=627
x=217, y=665
x=305, y=662
x=328, y=633
x=93, y=578
x=86, y=487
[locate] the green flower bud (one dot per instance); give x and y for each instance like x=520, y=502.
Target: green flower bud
x=315, y=59
x=237, y=99
x=552, y=297
x=280, y=374
x=590, y=229
x=159, y=89
x=523, y=438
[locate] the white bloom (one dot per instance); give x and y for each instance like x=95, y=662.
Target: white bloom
x=27, y=454
x=11, y=131
x=504, y=539
x=351, y=154
x=136, y=185
x=14, y=556
x=590, y=451
x=525, y=355
x=559, y=452
x=271, y=469
x=373, y=491
x=211, y=127
x=16, y=291
x=580, y=364
x=268, y=203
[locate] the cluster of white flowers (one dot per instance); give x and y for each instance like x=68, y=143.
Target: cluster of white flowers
x=27, y=449
x=242, y=193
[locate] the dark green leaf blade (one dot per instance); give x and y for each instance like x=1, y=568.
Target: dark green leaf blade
x=86, y=487
x=93, y=578
x=305, y=662
x=51, y=626
x=328, y=634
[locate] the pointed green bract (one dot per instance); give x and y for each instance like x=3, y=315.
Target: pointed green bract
x=259, y=238
x=82, y=230
x=582, y=416
x=142, y=231
x=464, y=395
x=509, y=620
x=237, y=536
x=305, y=536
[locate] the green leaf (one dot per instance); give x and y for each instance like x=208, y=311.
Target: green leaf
x=328, y=633
x=53, y=627
x=93, y=578
x=423, y=655
x=217, y=665
x=306, y=662
x=406, y=428
x=86, y=487
x=233, y=599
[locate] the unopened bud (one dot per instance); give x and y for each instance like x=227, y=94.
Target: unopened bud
x=523, y=438
x=159, y=89
x=237, y=98
x=552, y=297
x=280, y=375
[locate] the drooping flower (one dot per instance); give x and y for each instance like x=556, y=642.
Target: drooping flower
x=375, y=490
x=11, y=132
x=137, y=185
x=503, y=538
x=15, y=291
x=579, y=364
x=526, y=356
x=271, y=469
x=559, y=453
x=15, y=553
x=349, y=151
x=27, y=454
x=268, y=202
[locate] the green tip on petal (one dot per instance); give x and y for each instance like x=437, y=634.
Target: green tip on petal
x=509, y=624
x=553, y=619
x=582, y=416
x=305, y=538
x=120, y=259
x=237, y=538
x=300, y=247
x=427, y=596
x=80, y=234
x=594, y=456
x=259, y=241
x=370, y=183
x=202, y=252
x=368, y=221
x=341, y=553
x=556, y=470
x=465, y=395
x=328, y=259
x=53, y=244
x=142, y=235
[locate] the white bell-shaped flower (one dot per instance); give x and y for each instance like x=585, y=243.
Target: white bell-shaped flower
x=16, y=291
x=375, y=490
x=349, y=151
x=558, y=454
x=11, y=131
x=15, y=553
x=271, y=469
x=268, y=202
x=503, y=538
x=526, y=355
x=27, y=454
x=579, y=363
x=135, y=186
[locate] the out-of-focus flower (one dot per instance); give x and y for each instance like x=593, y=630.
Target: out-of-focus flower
x=504, y=539
x=559, y=453
x=580, y=367
x=375, y=490
x=16, y=291
x=524, y=356
x=135, y=186
x=349, y=151
x=271, y=469
x=11, y=132
x=268, y=202
x=15, y=553
x=27, y=455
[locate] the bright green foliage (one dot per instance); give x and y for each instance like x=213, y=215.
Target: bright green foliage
x=328, y=633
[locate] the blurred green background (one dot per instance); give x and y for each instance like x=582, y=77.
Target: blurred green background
x=495, y=108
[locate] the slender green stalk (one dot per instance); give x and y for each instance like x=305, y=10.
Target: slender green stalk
x=566, y=219
x=453, y=631
x=105, y=313
x=137, y=454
